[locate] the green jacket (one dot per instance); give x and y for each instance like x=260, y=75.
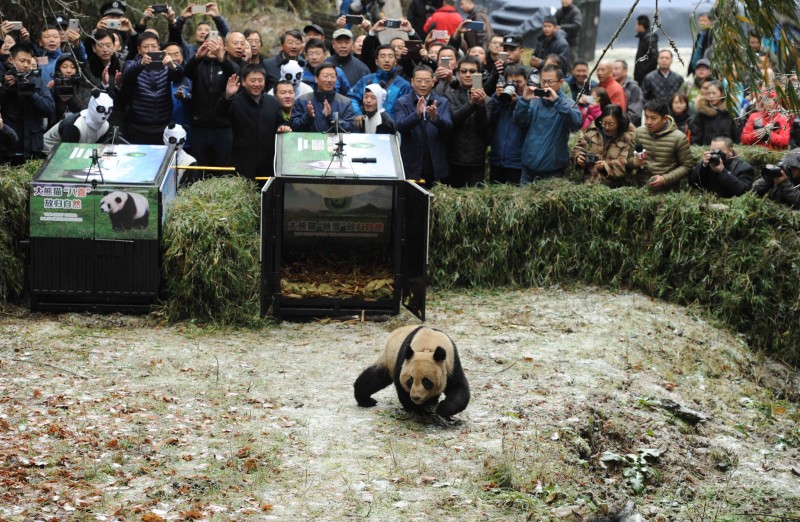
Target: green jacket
x=668, y=155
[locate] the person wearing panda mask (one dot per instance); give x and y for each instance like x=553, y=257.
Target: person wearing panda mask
x=175, y=134
x=375, y=120
x=292, y=72
x=89, y=126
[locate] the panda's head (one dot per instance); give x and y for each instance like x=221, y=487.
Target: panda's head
x=99, y=109
x=427, y=359
x=174, y=134
x=113, y=202
x=292, y=71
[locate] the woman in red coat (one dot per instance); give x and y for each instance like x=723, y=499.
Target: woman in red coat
x=767, y=126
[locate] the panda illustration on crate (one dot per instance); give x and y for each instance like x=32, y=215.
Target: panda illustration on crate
x=127, y=210
x=423, y=363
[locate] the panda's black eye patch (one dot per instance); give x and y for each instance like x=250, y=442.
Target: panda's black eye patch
x=410, y=382
x=427, y=383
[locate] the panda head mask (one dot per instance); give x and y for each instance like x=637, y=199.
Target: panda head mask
x=174, y=134
x=292, y=71
x=100, y=107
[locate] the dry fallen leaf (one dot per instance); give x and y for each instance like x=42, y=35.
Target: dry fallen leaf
x=152, y=517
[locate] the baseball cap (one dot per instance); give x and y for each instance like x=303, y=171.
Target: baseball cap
x=314, y=27
x=57, y=20
x=346, y=33
x=792, y=159
x=512, y=41
x=114, y=7
x=702, y=62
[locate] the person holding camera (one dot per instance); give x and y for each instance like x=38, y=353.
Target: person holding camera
x=602, y=150
x=767, y=126
x=505, y=154
x=547, y=118
x=147, y=81
x=69, y=90
x=25, y=103
x=467, y=142
x=721, y=171
x=779, y=181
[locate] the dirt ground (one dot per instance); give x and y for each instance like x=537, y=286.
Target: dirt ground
x=119, y=418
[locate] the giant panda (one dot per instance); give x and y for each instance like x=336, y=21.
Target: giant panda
x=423, y=363
x=127, y=210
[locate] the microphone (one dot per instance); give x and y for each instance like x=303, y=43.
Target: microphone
x=639, y=147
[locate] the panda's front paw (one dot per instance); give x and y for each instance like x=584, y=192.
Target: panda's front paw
x=368, y=402
x=446, y=421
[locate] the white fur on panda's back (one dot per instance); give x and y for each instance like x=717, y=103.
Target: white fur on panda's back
x=108, y=203
x=396, y=338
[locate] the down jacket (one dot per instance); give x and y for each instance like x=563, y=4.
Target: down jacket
x=614, y=153
x=467, y=141
x=668, y=155
x=150, y=92
x=778, y=139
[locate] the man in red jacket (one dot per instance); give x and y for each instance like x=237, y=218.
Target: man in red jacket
x=605, y=79
x=446, y=18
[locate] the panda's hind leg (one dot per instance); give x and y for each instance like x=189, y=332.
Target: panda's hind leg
x=371, y=380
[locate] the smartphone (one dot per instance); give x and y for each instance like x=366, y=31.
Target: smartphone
x=392, y=24
x=475, y=26
x=413, y=46
x=440, y=34
x=199, y=9
x=157, y=58
x=213, y=35
x=430, y=102
x=477, y=81
x=502, y=56
x=114, y=24
x=589, y=99
x=15, y=26
x=160, y=8
x=541, y=93
x=74, y=25
x=354, y=19
x=444, y=61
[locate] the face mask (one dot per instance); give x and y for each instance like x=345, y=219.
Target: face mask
x=174, y=135
x=100, y=107
x=292, y=71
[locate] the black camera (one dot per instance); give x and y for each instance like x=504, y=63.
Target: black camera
x=507, y=96
x=534, y=79
x=590, y=159
x=771, y=172
x=160, y=8
x=25, y=84
x=717, y=157
x=65, y=85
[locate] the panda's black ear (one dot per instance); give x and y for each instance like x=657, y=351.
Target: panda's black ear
x=440, y=354
x=409, y=353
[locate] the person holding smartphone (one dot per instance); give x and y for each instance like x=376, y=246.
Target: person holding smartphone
x=548, y=117
x=444, y=18
x=343, y=58
x=475, y=35
x=466, y=145
x=149, y=90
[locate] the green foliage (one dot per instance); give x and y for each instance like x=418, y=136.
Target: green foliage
x=14, y=183
x=738, y=260
x=211, y=247
x=637, y=468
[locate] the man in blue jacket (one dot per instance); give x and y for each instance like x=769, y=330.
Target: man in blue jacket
x=505, y=158
x=423, y=121
x=315, y=111
x=548, y=120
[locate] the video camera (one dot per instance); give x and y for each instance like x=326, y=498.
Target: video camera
x=65, y=85
x=717, y=157
x=25, y=84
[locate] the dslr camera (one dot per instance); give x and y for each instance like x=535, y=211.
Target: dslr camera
x=25, y=84
x=717, y=157
x=65, y=85
x=771, y=172
x=508, y=93
x=590, y=160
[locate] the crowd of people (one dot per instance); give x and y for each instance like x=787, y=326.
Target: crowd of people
x=454, y=92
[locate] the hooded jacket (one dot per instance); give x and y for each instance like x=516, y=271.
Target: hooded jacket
x=548, y=127
x=778, y=138
x=710, y=122
x=668, y=155
x=395, y=85
x=378, y=122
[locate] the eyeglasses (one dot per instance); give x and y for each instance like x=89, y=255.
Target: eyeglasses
x=468, y=71
x=104, y=45
x=608, y=124
x=550, y=82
